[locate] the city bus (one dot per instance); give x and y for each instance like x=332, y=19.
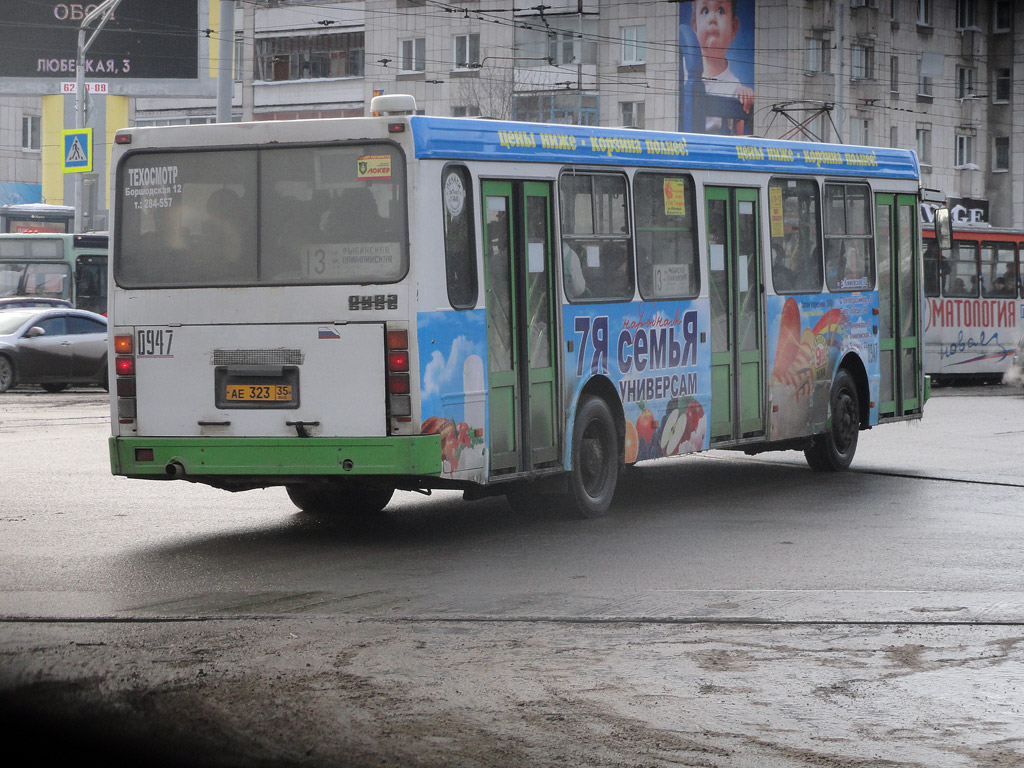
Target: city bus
x=346, y=307
x=974, y=299
x=56, y=265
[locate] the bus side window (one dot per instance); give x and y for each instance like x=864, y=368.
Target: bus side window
x=998, y=271
x=795, y=219
x=666, y=238
x=849, y=262
x=459, y=240
x=960, y=271
x=596, y=242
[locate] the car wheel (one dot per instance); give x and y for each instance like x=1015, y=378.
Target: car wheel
x=6, y=374
x=54, y=388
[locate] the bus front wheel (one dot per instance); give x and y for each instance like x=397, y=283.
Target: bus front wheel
x=595, y=459
x=350, y=498
x=833, y=451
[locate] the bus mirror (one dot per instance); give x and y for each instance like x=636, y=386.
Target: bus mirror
x=943, y=229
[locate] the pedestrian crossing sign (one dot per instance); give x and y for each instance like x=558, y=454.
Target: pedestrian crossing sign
x=77, y=155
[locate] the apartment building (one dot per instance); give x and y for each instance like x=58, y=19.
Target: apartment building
x=937, y=76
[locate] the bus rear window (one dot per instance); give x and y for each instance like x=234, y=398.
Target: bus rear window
x=305, y=215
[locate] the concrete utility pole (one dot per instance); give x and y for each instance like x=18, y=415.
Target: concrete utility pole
x=225, y=60
x=103, y=12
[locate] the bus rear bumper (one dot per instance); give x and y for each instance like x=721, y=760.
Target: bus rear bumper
x=276, y=459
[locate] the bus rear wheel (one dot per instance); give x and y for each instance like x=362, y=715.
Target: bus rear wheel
x=833, y=451
x=595, y=459
x=347, y=498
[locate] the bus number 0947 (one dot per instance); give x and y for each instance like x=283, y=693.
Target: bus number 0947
x=154, y=342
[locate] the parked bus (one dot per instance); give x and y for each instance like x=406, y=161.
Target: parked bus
x=352, y=306
x=975, y=303
x=72, y=267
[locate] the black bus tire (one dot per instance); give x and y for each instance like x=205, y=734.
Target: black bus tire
x=833, y=450
x=595, y=459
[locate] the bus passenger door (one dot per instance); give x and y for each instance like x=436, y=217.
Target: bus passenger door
x=737, y=319
x=520, y=325
x=900, y=346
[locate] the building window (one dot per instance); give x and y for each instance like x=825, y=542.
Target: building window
x=964, y=150
x=894, y=74
x=894, y=136
x=467, y=51
x=964, y=82
x=634, y=45
x=30, y=128
x=1002, y=88
x=924, y=146
x=860, y=130
x=817, y=55
x=1001, y=153
x=560, y=108
x=466, y=111
x=924, y=12
x=313, y=56
x=862, y=62
x=1001, y=16
x=924, y=82
x=414, y=55
x=562, y=47
x=239, y=54
x=966, y=14
x=632, y=114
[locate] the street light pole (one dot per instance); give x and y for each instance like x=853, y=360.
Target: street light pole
x=103, y=12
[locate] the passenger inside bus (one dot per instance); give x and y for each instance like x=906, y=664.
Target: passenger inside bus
x=354, y=216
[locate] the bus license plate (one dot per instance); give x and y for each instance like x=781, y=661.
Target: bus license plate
x=259, y=393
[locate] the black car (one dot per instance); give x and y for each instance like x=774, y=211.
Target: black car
x=54, y=348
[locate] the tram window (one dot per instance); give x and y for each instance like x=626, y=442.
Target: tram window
x=960, y=271
x=666, y=236
x=998, y=271
x=849, y=259
x=931, y=268
x=459, y=251
x=795, y=216
x=596, y=243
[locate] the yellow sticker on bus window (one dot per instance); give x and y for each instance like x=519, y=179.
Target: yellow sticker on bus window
x=374, y=167
x=775, y=213
x=675, y=197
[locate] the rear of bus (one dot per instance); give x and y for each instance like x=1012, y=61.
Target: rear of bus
x=260, y=310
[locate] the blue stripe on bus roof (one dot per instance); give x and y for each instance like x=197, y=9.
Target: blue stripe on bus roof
x=452, y=138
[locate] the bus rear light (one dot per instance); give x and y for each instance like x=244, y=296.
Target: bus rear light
x=126, y=386
x=398, y=361
x=125, y=366
x=123, y=345
x=144, y=454
x=398, y=384
x=397, y=339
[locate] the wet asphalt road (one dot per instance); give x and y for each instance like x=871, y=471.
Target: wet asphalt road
x=731, y=610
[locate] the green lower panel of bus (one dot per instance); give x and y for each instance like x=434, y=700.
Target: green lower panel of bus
x=255, y=456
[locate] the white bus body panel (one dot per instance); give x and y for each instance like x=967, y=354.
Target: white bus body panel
x=340, y=368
